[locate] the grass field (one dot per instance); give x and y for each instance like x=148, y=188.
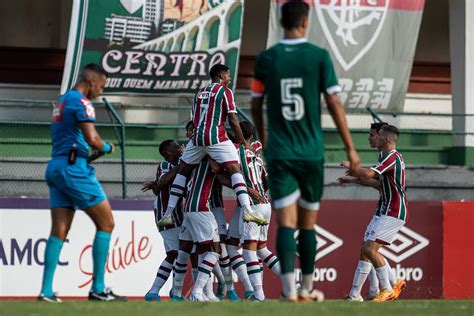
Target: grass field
x=270, y=308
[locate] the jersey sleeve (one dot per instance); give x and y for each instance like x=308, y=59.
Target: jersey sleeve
x=163, y=169
x=84, y=111
x=385, y=165
x=229, y=101
x=329, y=83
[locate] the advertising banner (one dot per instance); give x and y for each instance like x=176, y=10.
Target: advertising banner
x=136, y=250
x=153, y=46
x=372, y=44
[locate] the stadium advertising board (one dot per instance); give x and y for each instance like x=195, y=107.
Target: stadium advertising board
x=136, y=249
x=153, y=46
x=372, y=44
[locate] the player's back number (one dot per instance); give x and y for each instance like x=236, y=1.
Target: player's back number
x=293, y=108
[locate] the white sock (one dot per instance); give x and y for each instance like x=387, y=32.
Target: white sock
x=179, y=268
x=161, y=276
x=194, y=274
x=307, y=282
x=238, y=264
x=176, y=192
x=288, y=285
x=382, y=275
x=240, y=189
x=270, y=260
x=224, y=263
x=209, y=288
x=218, y=273
x=206, y=266
x=391, y=276
x=254, y=272
x=373, y=282
x=360, y=275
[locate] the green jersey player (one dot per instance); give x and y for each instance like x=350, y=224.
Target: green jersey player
x=293, y=74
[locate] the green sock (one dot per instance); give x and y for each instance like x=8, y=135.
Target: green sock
x=307, y=250
x=286, y=249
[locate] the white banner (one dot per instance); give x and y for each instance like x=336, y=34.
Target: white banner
x=136, y=251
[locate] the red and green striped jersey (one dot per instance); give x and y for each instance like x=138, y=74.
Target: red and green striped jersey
x=254, y=172
x=161, y=201
x=391, y=169
x=211, y=107
x=200, y=187
x=216, y=200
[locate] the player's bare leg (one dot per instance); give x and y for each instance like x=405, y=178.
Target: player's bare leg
x=371, y=251
x=101, y=215
x=61, y=223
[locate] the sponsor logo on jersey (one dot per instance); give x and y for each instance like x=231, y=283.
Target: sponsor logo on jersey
x=206, y=95
x=351, y=27
x=90, y=110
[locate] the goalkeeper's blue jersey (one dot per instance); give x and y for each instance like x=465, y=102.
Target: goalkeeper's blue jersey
x=71, y=109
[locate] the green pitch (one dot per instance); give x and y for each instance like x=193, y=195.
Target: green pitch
x=270, y=308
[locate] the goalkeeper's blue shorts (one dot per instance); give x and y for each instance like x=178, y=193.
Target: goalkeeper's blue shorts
x=73, y=186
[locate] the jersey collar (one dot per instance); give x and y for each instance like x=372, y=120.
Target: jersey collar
x=293, y=41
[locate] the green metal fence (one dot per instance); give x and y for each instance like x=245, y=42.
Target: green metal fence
x=427, y=139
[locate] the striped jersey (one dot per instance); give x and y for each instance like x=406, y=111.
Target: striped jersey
x=216, y=200
x=200, y=187
x=211, y=107
x=254, y=172
x=391, y=169
x=161, y=201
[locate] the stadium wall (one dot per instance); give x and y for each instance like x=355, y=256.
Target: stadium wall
x=433, y=252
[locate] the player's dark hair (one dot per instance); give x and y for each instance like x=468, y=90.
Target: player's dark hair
x=216, y=71
x=190, y=123
x=390, y=129
x=248, y=129
x=292, y=12
x=377, y=126
x=164, y=146
x=96, y=68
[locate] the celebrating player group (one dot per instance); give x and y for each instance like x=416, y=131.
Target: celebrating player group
x=281, y=171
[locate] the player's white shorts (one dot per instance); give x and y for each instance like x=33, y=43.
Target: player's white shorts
x=171, y=238
x=223, y=153
x=253, y=232
x=369, y=227
x=236, y=225
x=384, y=229
x=220, y=219
x=200, y=227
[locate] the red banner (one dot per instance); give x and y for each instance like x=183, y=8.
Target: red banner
x=415, y=255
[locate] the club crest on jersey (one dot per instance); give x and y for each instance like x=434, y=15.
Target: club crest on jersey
x=90, y=111
x=351, y=27
x=206, y=95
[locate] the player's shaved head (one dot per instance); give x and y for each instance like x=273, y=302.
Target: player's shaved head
x=292, y=13
x=377, y=126
x=248, y=129
x=92, y=71
x=389, y=132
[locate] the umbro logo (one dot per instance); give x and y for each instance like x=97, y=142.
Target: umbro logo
x=406, y=243
x=326, y=242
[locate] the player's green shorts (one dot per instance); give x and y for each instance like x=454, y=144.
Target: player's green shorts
x=293, y=181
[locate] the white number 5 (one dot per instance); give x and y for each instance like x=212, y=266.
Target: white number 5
x=287, y=97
